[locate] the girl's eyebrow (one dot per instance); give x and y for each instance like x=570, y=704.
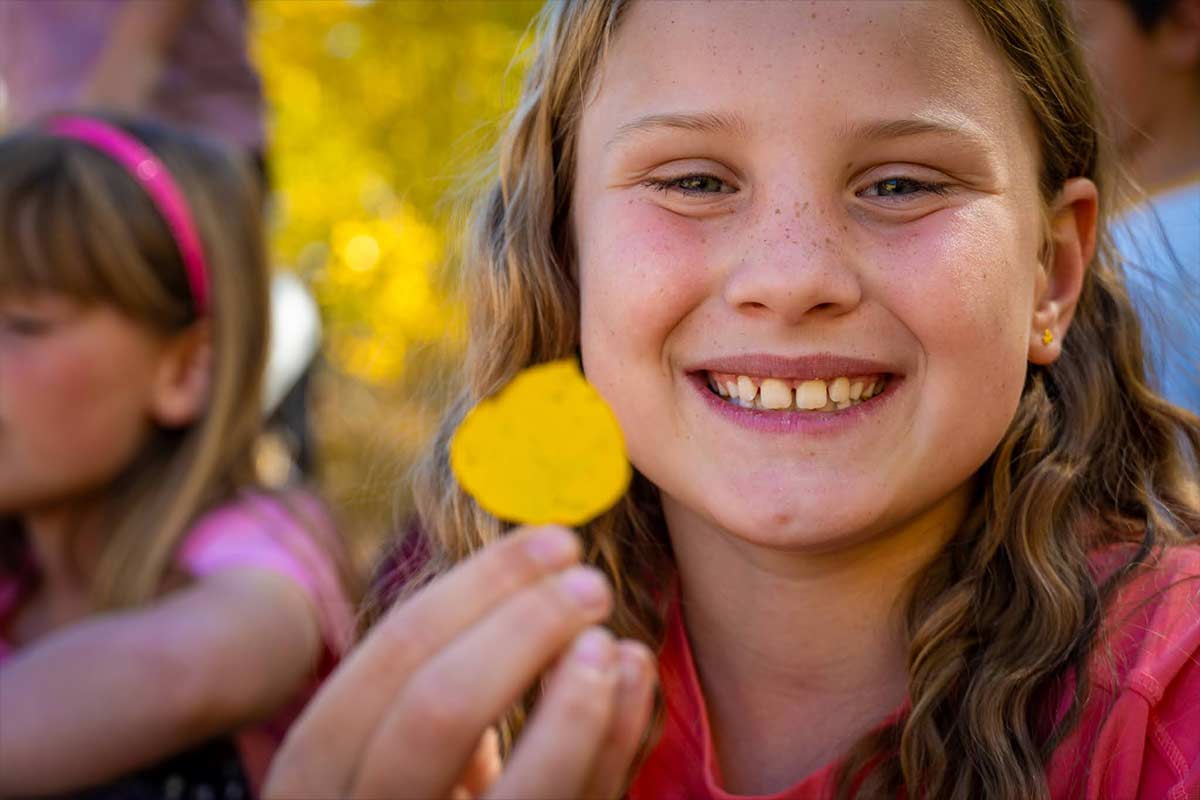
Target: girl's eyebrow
x=700, y=122
x=951, y=126
x=731, y=123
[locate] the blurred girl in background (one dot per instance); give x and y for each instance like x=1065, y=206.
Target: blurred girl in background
x=161, y=619
x=1145, y=58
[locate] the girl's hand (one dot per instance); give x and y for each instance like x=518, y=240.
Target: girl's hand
x=408, y=713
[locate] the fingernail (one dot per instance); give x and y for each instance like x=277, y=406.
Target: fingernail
x=586, y=586
x=594, y=648
x=552, y=547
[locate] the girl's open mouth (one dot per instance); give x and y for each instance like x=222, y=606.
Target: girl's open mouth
x=835, y=393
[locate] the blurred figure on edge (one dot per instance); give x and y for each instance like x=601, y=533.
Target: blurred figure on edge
x=1145, y=56
x=163, y=618
x=183, y=62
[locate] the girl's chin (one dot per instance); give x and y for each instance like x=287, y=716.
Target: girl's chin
x=818, y=527
x=809, y=538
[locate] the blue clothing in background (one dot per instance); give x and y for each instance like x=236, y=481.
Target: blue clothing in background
x=1160, y=243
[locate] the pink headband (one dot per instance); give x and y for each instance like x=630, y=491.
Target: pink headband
x=152, y=174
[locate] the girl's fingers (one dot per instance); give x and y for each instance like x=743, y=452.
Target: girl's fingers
x=634, y=702
x=323, y=749
x=426, y=740
x=557, y=751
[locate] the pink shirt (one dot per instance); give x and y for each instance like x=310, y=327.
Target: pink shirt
x=1139, y=738
x=262, y=532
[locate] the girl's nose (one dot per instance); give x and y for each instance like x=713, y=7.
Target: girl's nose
x=795, y=269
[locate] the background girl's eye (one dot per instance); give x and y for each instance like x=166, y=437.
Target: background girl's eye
x=22, y=325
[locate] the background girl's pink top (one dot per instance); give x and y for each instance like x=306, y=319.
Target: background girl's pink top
x=278, y=534
x=1139, y=737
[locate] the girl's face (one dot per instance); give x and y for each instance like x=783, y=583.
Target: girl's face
x=77, y=388
x=794, y=203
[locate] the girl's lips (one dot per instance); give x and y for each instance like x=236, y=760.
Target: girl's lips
x=818, y=366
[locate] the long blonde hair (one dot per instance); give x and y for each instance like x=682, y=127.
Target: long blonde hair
x=73, y=221
x=1010, y=606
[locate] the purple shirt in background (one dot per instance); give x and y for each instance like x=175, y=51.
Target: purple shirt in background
x=47, y=49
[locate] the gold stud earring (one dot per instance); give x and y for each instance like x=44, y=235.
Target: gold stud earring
x=1047, y=337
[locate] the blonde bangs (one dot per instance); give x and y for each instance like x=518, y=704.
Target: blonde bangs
x=71, y=222
x=31, y=198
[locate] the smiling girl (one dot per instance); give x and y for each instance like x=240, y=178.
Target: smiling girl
x=907, y=520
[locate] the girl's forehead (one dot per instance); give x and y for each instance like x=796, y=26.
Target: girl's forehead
x=776, y=63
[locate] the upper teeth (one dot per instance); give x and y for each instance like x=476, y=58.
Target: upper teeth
x=809, y=395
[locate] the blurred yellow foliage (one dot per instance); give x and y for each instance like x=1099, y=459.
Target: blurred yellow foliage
x=380, y=113
x=377, y=109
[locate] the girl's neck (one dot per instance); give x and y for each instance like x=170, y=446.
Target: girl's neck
x=1169, y=156
x=799, y=654
x=63, y=543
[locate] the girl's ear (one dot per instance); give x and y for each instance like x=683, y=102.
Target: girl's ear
x=184, y=375
x=1072, y=232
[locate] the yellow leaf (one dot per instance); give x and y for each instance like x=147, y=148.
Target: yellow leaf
x=546, y=449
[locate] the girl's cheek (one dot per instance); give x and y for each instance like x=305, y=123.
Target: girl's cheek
x=97, y=391
x=642, y=261
x=43, y=374
x=956, y=281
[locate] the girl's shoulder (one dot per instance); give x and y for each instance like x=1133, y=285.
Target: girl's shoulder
x=255, y=519
x=1137, y=736
x=288, y=533
x=1150, y=635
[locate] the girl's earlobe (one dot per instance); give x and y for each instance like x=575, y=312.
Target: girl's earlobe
x=184, y=377
x=1072, y=231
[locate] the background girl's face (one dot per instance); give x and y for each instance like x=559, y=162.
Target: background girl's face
x=804, y=192
x=75, y=396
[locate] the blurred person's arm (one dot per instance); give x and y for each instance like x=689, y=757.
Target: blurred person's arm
x=129, y=66
x=121, y=691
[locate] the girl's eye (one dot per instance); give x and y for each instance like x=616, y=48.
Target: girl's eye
x=22, y=325
x=697, y=184
x=903, y=187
